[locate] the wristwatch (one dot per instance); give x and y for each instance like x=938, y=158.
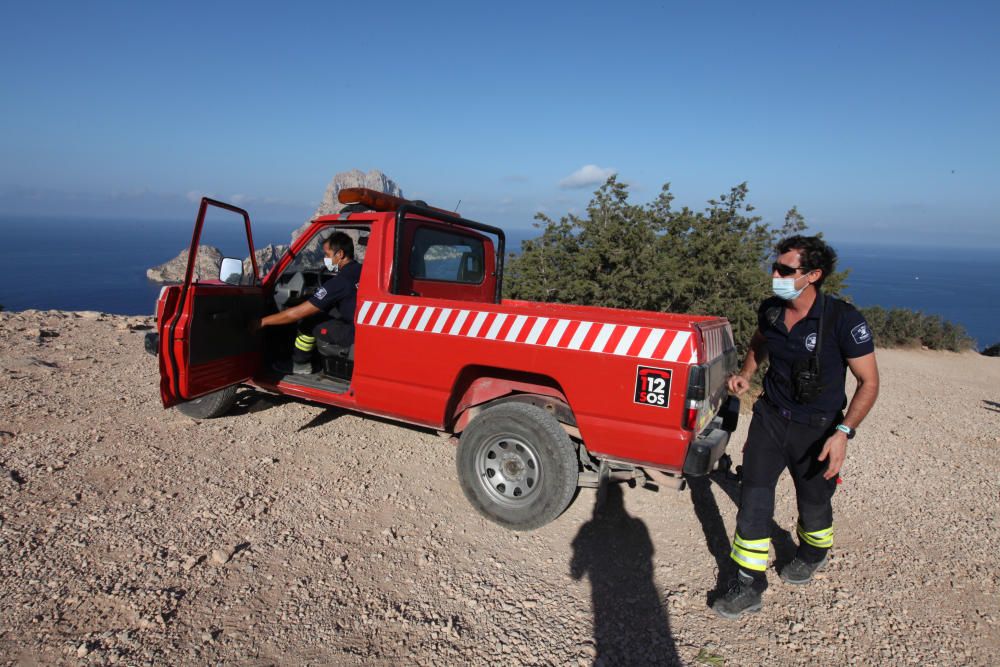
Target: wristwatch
x=844, y=428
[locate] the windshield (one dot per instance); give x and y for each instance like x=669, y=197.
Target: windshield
x=310, y=258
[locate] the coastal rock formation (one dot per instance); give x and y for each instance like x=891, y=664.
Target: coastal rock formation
x=206, y=266
x=267, y=257
x=355, y=178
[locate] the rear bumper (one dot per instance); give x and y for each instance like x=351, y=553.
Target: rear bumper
x=706, y=450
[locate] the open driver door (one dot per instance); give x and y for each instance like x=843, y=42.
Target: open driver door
x=205, y=340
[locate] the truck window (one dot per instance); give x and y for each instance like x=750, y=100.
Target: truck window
x=446, y=256
x=310, y=258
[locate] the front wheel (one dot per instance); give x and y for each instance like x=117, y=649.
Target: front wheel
x=517, y=466
x=211, y=405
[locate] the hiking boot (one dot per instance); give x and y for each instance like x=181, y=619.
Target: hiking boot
x=287, y=367
x=742, y=598
x=800, y=572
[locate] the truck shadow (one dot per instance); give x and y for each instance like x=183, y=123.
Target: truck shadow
x=706, y=508
x=615, y=552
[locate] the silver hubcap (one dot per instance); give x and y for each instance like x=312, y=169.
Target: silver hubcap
x=508, y=469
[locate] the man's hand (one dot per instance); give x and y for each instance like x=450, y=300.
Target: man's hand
x=738, y=384
x=836, y=449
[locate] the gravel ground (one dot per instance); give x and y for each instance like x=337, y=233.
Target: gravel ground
x=287, y=533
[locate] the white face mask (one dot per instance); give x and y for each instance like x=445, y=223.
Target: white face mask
x=330, y=265
x=785, y=288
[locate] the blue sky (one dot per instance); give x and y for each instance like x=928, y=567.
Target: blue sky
x=879, y=120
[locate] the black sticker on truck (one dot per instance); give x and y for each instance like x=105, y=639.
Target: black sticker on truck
x=652, y=386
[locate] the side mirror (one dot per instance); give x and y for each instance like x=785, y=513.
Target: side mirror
x=231, y=271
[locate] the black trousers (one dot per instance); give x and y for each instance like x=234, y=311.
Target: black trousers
x=775, y=443
x=320, y=327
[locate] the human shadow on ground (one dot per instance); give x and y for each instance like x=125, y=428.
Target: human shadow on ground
x=706, y=508
x=613, y=549
x=991, y=405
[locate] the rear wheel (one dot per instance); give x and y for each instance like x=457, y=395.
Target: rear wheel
x=211, y=405
x=517, y=466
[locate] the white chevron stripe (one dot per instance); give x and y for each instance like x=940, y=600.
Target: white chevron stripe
x=411, y=311
x=392, y=315
x=442, y=318
x=379, y=309
x=675, y=348
x=459, y=321
x=497, y=323
x=364, y=311
x=602, y=338
x=477, y=324
x=425, y=318
x=536, y=330
x=557, y=333
x=651, y=342
x=626, y=342
x=516, y=328
x=398, y=316
x=580, y=335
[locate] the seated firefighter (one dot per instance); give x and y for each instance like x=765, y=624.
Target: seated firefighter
x=328, y=315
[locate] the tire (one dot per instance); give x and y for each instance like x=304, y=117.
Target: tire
x=517, y=466
x=211, y=405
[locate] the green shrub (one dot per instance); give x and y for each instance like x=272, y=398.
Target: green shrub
x=654, y=257
x=900, y=327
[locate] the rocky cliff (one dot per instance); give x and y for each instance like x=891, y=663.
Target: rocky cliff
x=355, y=178
x=206, y=266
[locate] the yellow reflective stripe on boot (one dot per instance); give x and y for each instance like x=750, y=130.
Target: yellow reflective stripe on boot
x=305, y=343
x=822, y=539
x=750, y=554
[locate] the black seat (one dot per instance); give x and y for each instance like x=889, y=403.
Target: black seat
x=337, y=360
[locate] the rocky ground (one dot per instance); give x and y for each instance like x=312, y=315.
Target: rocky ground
x=286, y=533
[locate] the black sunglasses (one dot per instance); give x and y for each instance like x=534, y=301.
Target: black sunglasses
x=784, y=270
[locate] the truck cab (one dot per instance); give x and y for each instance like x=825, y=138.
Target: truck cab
x=540, y=398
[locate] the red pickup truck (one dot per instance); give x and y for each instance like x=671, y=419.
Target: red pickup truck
x=542, y=397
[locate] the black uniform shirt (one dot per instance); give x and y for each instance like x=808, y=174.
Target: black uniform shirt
x=846, y=338
x=339, y=295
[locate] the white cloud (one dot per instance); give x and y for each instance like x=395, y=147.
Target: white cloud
x=587, y=176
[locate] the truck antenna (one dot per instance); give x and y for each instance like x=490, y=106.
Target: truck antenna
x=457, y=205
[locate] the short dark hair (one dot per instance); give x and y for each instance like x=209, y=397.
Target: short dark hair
x=340, y=241
x=814, y=254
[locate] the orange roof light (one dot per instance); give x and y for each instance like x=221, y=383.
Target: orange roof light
x=374, y=199
x=379, y=201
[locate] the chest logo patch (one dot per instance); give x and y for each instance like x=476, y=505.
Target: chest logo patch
x=861, y=333
x=811, y=342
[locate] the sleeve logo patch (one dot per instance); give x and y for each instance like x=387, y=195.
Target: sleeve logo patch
x=652, y=386
x=320, y=293
x=861, y=333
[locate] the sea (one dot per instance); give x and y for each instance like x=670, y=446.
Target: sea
x=93, y=264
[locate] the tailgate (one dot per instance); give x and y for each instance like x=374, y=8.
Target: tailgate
x=716, y=362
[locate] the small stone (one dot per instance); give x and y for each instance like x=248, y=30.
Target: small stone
x=82, y=650
x=221, y=556
x=796, y=628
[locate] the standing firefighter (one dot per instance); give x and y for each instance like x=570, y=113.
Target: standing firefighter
x=798, y=422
